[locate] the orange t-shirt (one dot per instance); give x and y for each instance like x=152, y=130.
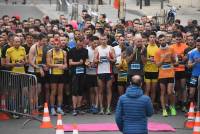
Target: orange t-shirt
x=166, y=70
x=179, y=51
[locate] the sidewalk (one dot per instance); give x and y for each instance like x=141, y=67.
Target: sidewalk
x=133, y=11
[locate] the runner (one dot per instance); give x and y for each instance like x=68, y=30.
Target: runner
x=194, y=63
x=180, y=75
x=91, y=75
x=151, y=69
x=104, y=58
x=165, y=59
x=78, y=57
x=57, y=61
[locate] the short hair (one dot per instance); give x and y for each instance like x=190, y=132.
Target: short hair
x=161, y=36
x=136, y=80
x=41, y=36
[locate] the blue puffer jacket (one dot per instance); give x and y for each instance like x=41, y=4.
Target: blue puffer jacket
x=132, y=111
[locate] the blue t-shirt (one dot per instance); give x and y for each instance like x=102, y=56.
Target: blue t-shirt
x=193, y=56
x=71, y=44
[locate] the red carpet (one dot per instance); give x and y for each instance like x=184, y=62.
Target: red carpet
x=152, y=126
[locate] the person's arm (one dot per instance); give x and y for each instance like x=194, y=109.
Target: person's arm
x=191, y=62
x=65, y=66
x=31, y=57
x=144, y=55
x=96, y=59
x=149, y=107
x=130, y=54
x=112, y=56
x=119, y=116
x=74, y=63
x=8, y=63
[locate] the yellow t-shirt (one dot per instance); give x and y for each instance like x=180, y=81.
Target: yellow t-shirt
x=57, y=58
x=15, y=55
x=151, y=66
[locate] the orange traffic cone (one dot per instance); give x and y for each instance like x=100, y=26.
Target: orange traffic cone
x=75, y=129
x=59, y=127
x=191, y=117
x=46, y=123
x=3, y=116
x=196, y=129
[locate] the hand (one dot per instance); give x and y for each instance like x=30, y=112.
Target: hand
x=42, y=72
x=62, y=67
x=45, y=68
x=81, y=62
x=87, y=63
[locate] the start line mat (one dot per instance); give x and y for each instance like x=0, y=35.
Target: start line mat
x=95, y=127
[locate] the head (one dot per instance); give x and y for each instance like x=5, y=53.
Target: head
x=198, y=44
x=29, y=39
x=152, y=37
x=190, y=39
x=42, y=39
x=136, y=80
x=94, y=41
x=179, y=38
x=138, y=41
x=17, y=42
x=122, y=41
x=80, y=42
x=162, y=40
x=148, y=26
x=57, y=43
x=63, y=41
x=103, y=40
x=102, y=17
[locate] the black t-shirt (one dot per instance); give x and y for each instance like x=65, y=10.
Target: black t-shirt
x=76, y=55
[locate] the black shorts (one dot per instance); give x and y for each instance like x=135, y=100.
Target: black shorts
x=166, y=81
x=78, y=84
x=91, y=81
x=58, y=79
x=46, y=78
x=194, y=81
x=151, y=75
x=105, y=77
x=180, y=75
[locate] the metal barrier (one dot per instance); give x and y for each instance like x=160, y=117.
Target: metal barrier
x=18, y=92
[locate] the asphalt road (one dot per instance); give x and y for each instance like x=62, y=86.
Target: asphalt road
x=13, y=126
x=20, y=10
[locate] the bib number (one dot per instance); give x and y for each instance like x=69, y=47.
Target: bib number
x=166, y=66
x=79, y=70
x=135, y=66
x=103, y=59
x=122, y=76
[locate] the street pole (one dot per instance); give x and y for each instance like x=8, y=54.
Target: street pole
x=162, y=3
x=140, y=4
x=121, y=10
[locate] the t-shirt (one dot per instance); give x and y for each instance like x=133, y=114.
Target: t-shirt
x=91, y=70
x=179, y=51
x=151, y=66
x=135, y=67
x=166, y=70
x=15, y=55
x=76, y=55
x=193, y=56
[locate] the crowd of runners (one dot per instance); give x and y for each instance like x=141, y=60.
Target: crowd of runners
x=90, y=63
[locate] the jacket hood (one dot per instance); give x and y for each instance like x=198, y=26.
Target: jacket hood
x=134, y=91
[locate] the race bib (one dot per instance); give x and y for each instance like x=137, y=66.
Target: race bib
x=166, y=66
x=122, y=76
x=103, y=59
x=135, y=66
x=79, y=70
x=193, y=81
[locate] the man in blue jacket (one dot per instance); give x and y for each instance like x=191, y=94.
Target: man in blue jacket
x=133, y=108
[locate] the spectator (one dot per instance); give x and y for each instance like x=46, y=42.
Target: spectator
x=133, y=108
